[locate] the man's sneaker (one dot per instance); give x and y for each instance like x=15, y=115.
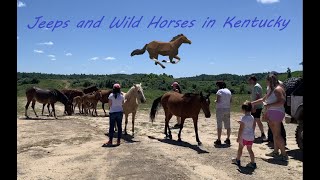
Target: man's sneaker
x=217, y=142
x=252, y=165
x=227, y=141
x=283, y=157
x=272, y=154
x=236, y=161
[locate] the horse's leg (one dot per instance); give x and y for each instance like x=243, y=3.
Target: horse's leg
x=79, y=104
x=195, y=123
x=126, y=122
x=156, y=61
x=181, y=127
x=26, y=108
x=32, y=105
x=171, y=60
x=178, y=59
x=104, y=109
x=43, y=105
x=48, y=106
x=54, y=110
x=168, y=117
x=133, y=117
x=95, y=108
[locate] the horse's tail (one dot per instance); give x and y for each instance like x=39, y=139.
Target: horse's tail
x=155, y=106
x=139, y=51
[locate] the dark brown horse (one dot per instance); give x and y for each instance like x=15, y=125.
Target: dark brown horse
x=104, y=98
x=170, y=49
x=46, y=96
x=71, y=93
x=90, y=89
x=184, y=106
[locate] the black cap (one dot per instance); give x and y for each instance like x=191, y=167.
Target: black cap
x=274, y=73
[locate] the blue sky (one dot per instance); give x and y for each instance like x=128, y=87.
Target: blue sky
x=107, y=51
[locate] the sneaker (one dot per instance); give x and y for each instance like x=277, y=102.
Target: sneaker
x=236, y=161
x=109, y=143
x=252, y=165
x=217, y=142
x=272, y=154
x=263, y=137
x=227, y=141
x=283, y=157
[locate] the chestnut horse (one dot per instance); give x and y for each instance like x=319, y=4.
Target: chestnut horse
x=104, y=98
x=170, y=49
x=184, y=106
x=46, y=96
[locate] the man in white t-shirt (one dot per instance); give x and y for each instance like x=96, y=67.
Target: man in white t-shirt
x=223, y=103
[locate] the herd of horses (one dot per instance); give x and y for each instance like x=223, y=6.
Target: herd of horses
x=174, y=104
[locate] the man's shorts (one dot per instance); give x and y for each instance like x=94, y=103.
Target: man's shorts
x=223, y=115
x=257, y=114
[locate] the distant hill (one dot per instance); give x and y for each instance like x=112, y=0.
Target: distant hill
x=236, y=83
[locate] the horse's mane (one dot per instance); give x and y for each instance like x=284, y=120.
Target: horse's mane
x=61, y=96
x=190, y=94
x=176, y=37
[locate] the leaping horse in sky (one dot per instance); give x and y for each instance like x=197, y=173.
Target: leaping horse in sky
x=170, y=49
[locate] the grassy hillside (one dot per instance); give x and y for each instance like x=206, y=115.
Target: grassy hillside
x=154, y=85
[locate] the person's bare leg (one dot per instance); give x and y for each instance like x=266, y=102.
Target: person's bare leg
x=274, y=131
x=219, y=133
x=249, y=148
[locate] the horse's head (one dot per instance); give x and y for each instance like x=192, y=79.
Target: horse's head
x=97, y=94
x=140, y=96
x=205, y=104
x=185, y=39
x=68, y=108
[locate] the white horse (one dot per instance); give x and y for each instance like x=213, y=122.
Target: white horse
x=131, y=102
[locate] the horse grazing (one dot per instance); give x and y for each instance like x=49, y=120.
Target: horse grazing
x=104, y=98
x=132, y=99
x=90, y=89
x=71, y=93
x=170, y=49
x=182, y=105
x=91, y=100
x=46, y=96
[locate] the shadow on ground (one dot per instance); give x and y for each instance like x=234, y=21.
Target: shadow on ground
x=180, y=143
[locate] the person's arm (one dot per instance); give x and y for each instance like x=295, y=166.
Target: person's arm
x=259, y=101
x=110, y=103
x=218, y=99
x=280, y=98
x=240, y=131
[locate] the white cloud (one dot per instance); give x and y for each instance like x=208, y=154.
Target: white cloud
x=268, y=1
x=50, y=43
x=52, y=56
x=38, y=51
x=109, y=58
x=68, y=54
x=94, y=58
x=21, y=4
x=53, y=59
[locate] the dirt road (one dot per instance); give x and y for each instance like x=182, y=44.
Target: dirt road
x=70, y=148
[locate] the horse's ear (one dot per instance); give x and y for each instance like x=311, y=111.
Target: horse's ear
x=134, y=85
x=140, y=84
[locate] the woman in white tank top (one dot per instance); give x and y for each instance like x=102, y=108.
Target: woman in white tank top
x=274, y=104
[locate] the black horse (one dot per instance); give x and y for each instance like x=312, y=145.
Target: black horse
x=46, y=96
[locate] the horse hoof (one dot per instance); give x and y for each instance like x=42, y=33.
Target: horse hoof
x=170, y=136
x=179, y=140
x=199, y=143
